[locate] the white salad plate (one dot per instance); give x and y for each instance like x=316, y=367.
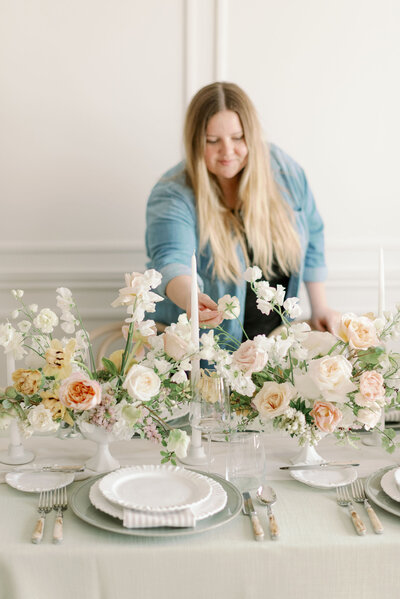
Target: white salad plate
x=389, y=483
x=155, y=488
x=35, y=482
x=210, y=506
x=325, y=479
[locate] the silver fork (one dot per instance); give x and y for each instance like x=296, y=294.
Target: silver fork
x=343, y=499
x=60, y=505
x=357, y=488
x=44, y=507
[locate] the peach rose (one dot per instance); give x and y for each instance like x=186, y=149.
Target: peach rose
x=175, y=346
x=358, y=331
x=79, y=392
x=371, y=388
x=250, y=357
x=273, y=399
x=26, y=381
x=326, y=416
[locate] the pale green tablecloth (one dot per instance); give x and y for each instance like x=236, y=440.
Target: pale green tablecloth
x=318, y=555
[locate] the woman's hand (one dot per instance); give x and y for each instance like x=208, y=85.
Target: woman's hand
x=324, y=319
x=208, y=312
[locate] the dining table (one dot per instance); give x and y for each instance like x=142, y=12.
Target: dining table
x=317, y=555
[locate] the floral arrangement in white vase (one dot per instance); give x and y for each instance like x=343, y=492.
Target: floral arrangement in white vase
x=59, y=385
x=305, y=382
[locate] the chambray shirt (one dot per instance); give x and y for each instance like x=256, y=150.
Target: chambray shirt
x=172, y=236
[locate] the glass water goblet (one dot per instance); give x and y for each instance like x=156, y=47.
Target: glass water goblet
x=210, y=408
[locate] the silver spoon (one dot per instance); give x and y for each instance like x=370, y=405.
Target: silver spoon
x=267, y=496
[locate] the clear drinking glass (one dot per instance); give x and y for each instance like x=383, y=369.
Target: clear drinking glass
x=210, y=408
x=246, y=463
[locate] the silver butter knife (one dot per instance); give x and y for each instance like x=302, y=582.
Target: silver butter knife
x=324, y=466
x=249, y=510
x=48, y=469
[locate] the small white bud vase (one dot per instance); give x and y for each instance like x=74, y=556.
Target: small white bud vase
x=16, y=453
x=102, y=461
x=308, y=455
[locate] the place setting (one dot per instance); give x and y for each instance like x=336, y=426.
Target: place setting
x=156, y=501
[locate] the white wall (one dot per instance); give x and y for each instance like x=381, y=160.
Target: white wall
x=92, y=99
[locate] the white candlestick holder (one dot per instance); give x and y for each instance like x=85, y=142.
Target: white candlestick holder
x=16, y=453
x=196, y=455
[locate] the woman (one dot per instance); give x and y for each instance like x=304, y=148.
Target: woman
x=235, y=202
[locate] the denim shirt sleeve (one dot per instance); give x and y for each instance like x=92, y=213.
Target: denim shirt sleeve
x=314, y=262
x=171, y=230
x=296, y=191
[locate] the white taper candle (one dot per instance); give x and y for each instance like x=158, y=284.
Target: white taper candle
x=381, y=289
x=10, y=368
x=194, y=305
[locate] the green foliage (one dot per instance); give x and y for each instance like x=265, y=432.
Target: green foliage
x=300, y=406
x=110, y=367
x=369, y=358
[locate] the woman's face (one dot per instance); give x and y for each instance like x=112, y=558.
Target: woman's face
x=226, y=150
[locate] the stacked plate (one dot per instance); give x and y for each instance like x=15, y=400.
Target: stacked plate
x=160, y=498
x=383, y=488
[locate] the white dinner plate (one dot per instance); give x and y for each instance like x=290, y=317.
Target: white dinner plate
x=325, y=479
x=155, y=488
x=210, y=506
x=375, y=493
x=34, y=482
x=389, y=484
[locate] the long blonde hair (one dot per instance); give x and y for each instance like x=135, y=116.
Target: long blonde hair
x=261, y=215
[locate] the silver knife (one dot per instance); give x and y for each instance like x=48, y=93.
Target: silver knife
x=324, y=466
x=48, y=469
x=249, y=510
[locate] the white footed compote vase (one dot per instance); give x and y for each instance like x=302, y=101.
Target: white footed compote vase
x=16, y=454
x=102, y=461
x=308, y=454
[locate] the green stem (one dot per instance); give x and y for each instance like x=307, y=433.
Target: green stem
x=127, y=348
x=92, y=360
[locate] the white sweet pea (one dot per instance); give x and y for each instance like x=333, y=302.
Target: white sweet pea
x=291, y=305
x=33, y=308
x=264, y=306
x=15, y=346
x=178, y=441
x=6, y=333
x=14, y=314
x=252, y=274
x=179, y=377
x=24, y=326
x=17, y=293
x=280, y=295
x=264, y=291
x=229, y=306
x=46, y=320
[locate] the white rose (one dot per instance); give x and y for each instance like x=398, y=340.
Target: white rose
x=178, y=441
x=142, y=383
x=332, y=375
x=273, y=399
x=46, y=320
x=252, y=274
x=368, y=417
x=41, y=420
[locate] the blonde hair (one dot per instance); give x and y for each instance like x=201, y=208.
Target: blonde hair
x=261, y=216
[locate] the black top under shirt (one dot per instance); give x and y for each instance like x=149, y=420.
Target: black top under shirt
x=255, y=322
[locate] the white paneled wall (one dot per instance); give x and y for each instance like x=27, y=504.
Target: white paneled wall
x=93, y=94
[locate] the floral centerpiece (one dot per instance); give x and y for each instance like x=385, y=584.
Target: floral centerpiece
x=305, y=382
x=60, y=386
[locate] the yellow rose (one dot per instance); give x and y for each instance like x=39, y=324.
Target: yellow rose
x=26, y=381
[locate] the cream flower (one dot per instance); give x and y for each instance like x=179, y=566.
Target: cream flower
x=252, y=274
x=41, y=419
x=250, y=357
x=326, y=416
x=26, y=381
x=78, y=392
x=58, y=359
x=332, y=374
x=273, y=399
x=358, y=331
x=142, y=383
x=46, y=320
x=229, y=306
x=178, y=441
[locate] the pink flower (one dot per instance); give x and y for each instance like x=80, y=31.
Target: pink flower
x=371, y=388
x=175, y=346
x=250, y=357
x=326, y=416
x=79, y=392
